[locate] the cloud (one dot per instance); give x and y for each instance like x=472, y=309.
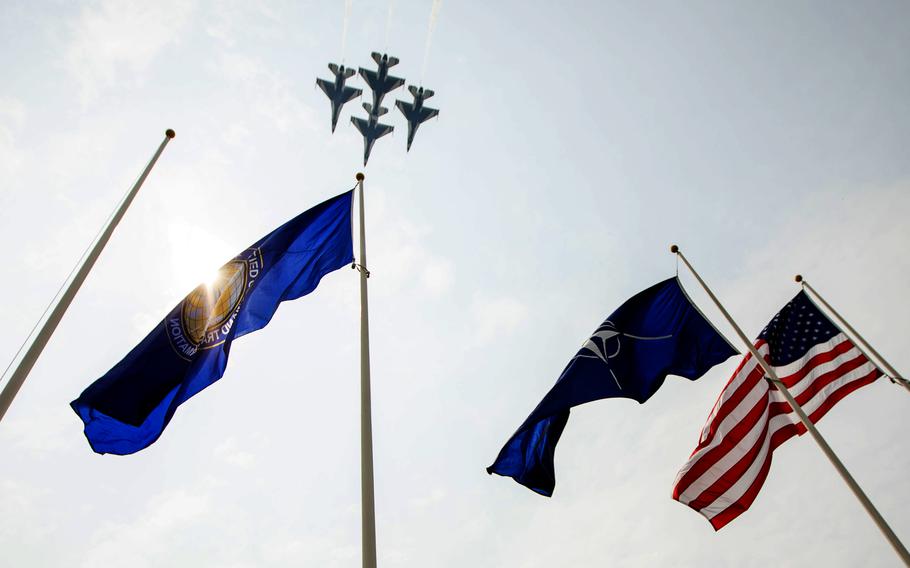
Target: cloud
x=232, y=18
x=438, y=275
x=402, y=257
x=495, y=317
x=231, y=452
x=145, y=541
x=41, y=432
x=22, y=521
x=436, y=496
x=267, y=92
x=111, y=36
x=12, y=118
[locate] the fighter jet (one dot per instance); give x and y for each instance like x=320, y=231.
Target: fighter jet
x=416, y=113
x=379, y=81
x=337, y=92
x=371, y=129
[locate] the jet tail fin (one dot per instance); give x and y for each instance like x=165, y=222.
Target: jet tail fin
x=333, y=68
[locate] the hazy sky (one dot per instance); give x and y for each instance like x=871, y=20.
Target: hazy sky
x=575, y=143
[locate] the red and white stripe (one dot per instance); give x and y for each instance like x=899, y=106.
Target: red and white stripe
x=751, y=418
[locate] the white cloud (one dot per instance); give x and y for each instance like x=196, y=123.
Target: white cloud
x=231, y=452
x=495, y=317
x=434, y=497
x=438, y=275
x=22, y=521
x=12, y=118
x=267, y=92
x=43, y=432
x=144, y=542
x=401, y=257
x=234, y=17
x=112, y=36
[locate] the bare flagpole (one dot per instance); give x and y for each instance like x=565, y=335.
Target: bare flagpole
x=894, y=375
x=34, y=351
x=810, y=427
x=367, y=500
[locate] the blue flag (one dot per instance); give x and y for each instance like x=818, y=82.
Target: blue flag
x=657, y=332
x=127, y=409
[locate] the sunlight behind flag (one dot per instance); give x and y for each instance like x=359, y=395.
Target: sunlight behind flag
x=128, y=408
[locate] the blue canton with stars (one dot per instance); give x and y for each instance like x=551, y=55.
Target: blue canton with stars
x=795, y=330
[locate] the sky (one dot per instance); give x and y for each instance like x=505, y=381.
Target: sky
x=575, y=143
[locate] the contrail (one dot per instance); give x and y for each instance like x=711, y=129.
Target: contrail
x=434, y=15
x=388, y=23
x=344, y=29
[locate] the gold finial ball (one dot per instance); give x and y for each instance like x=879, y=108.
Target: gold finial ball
x=674, y=249
x=798, y=278
x=170, y=133
x=359, y=176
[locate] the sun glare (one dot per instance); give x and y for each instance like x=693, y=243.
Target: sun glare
x=193, y=266
x=212, y=279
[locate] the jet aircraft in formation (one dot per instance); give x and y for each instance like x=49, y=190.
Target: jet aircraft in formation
x=370, y=128
x=381, y=84
x=415, y=112
x=379, y=81
x=337, y=92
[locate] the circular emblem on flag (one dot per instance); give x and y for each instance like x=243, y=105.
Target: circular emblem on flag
x=212, y=303
x=205, y=317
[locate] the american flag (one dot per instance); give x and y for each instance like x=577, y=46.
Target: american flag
x=818, y=364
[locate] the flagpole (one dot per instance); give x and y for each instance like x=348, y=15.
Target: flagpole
x=367, y=500
x=895, y=376
x=34, y=351
x=810, y=427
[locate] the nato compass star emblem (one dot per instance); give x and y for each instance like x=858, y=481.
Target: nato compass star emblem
x=606, y=343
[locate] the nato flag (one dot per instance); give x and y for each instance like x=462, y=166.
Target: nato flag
x=127, y=409
x=657, y=332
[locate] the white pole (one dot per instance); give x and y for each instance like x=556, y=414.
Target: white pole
x=895, y=376
x=367, y=501
x=810, y=427
x=31, y=356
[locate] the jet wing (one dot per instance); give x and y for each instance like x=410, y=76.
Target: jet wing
x=418, y=116
x=392, y=83
x=383, y=129
x=362, y=125
x=328, y=87
x=426, y=113
x=407, y=109
x=349, y=93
